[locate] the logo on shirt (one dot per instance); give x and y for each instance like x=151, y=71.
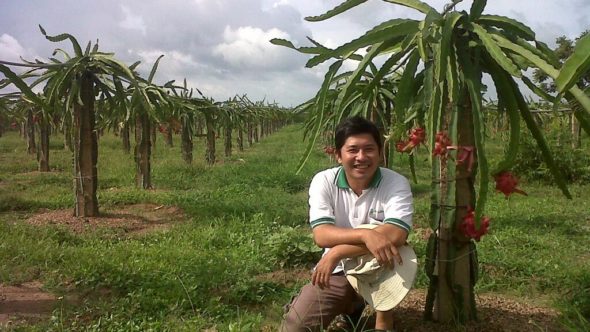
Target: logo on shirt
x=376, y=214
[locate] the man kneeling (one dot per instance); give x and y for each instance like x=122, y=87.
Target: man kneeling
x=358, y=192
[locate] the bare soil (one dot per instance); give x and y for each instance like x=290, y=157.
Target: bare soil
x=28, y=302
x=135, y=219
x=495, y=312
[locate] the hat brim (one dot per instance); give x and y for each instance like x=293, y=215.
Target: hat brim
x=382, y=287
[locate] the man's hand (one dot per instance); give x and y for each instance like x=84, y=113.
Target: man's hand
x=382, y=247
x=323, y=270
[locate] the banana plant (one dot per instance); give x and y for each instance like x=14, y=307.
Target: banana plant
x=444, y=56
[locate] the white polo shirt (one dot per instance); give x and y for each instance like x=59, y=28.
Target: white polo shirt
x=387, y=200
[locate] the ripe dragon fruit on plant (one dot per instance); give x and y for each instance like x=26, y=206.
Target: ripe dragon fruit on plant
x=441, y=143
x=468, y=226
x=416, y=137
x=400, y=145
x=506, y=183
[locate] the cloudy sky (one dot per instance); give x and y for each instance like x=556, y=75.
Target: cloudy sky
x=222, y=46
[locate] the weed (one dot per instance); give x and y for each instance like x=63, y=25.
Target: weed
x=292, y=247
x=573, y=163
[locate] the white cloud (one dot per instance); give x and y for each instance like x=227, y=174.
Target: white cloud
x=132, y=21
x=10, y=48
x=250, y=46
x=217, y=89
x=205, y=2
x=175, y=65
x=280, y=3
x=174, y=56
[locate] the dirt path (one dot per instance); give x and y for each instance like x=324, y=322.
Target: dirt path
x=26, y=302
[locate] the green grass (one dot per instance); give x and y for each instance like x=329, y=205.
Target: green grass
x=246, y=216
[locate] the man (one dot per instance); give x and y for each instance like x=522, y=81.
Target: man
x=358, y=192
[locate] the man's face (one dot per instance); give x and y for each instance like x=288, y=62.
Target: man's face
x=360, y=158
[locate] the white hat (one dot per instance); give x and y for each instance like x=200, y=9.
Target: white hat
x=382, y=287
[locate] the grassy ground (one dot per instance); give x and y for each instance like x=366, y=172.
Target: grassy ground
x=245, y=218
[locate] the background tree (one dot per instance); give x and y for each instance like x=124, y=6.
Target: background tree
x=186, y=114
x=209, y=110
x=74, y=83
x=20, y=104
x=563, y=50
x=37, y=120
x=149, y=103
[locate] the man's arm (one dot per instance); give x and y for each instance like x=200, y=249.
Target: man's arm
x=380, y=241
x=329, y=236
x=393, y=235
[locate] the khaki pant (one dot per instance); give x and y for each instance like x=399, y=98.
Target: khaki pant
x=314, y=308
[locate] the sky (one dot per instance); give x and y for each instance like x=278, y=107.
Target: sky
x=222, y=48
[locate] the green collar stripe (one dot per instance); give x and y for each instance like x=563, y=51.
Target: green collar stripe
x=376, y=179
x=343, y=184
x=341, y=179
x=398, y=223
x=322, y=221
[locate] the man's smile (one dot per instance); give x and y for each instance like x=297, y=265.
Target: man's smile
x=361, y=166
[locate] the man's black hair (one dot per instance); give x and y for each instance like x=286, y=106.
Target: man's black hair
x=354, y=126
